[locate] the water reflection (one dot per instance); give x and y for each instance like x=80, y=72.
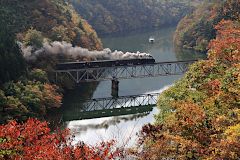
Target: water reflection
x=81, y=115
x=122, y=128
x=184, y=54
x=105, y=123
x=161, y=49
x=118, y=107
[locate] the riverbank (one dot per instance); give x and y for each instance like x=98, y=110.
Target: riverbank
x=92, y=131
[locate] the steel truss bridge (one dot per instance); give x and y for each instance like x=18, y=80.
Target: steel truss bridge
x=124, y=72
x=105, y=107
x=118, y=102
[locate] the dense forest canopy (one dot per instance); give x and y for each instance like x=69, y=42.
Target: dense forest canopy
x=26, y=91
x=111, y=16
x=12, y=64
x=200, y=114
x=196, y=30
x=55, y=19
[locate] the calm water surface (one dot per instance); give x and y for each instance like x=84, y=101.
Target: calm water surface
x=122, y=128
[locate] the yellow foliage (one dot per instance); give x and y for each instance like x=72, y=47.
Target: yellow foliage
x=233, y=133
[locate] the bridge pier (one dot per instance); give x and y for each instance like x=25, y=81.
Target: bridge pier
x=56, y=77
x=115, y=87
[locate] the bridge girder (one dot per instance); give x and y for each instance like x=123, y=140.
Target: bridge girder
x=119, y=102
x=125, y=72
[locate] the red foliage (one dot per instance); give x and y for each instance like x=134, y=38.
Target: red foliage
x=33, y=140
x=200, y=115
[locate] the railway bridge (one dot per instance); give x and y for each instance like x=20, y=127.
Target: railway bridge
x=115, y=73
x=124, y=72
x=107, y=107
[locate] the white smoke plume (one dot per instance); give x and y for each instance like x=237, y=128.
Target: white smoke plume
x=66, y=49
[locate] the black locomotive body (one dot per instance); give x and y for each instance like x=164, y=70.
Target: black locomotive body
x=104, y=63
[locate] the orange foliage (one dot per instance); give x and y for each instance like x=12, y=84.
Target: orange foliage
x=200, y=115
x=51, y=97
x=226, y=47
x=213, y=87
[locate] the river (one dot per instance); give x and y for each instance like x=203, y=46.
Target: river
x=124, y=128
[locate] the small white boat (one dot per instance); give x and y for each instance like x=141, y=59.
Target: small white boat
x=151, y=40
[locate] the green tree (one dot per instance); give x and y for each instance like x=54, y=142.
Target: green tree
x=27, y=99
x=12, y=64
x=200, y=115
x=33, y=38
x=38, y=75
x=60, y=33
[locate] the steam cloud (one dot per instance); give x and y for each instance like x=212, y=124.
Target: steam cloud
x=66, y=49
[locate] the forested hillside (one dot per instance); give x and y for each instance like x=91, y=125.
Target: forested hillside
x=25, y=90
x=197, y=29
x=111, y=16
x=54, y=19
x=12, y=64
x=200, y=114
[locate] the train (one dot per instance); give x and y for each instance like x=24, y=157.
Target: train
x=104, y=63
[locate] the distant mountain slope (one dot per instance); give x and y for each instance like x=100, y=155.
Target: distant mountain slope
x=197, y=29
x=111, y=16
x=56, y=19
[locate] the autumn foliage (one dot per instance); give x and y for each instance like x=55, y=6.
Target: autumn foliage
x=197, y=29
x=55, y=20
x=34, y=140
x=200, y=114
x=29, y=97
x=226, y=47
x=107, y=16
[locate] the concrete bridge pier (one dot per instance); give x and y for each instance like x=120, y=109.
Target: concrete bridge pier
x=115, y=87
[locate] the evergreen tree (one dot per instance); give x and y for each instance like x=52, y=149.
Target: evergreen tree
x=11, y=60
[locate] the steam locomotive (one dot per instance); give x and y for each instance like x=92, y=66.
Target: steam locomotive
x=104, y=63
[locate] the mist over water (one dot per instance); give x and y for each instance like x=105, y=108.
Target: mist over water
x=57, y=48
